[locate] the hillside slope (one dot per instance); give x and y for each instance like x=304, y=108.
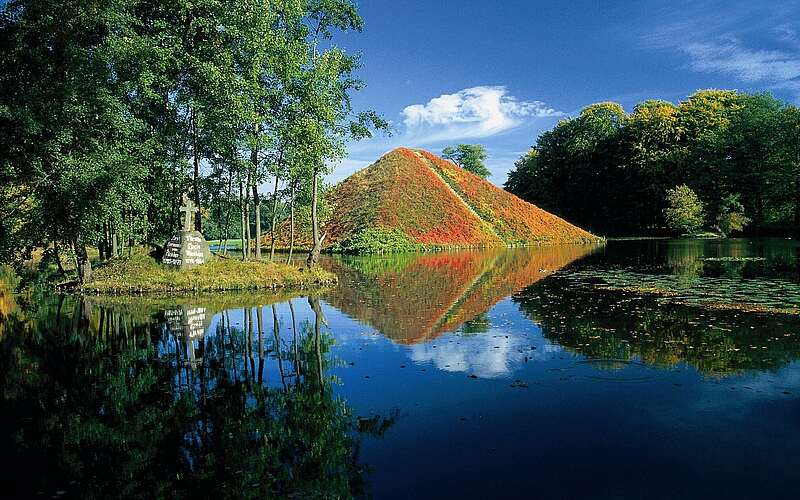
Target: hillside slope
x=414, y=197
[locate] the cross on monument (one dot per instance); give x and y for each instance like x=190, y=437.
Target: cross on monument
x=189, y=210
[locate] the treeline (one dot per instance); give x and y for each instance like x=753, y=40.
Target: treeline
x=610, y=172
x=111, y=110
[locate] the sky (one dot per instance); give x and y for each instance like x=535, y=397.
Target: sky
x=499, y=73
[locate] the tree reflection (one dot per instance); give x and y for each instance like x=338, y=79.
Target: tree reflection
x=99, y=403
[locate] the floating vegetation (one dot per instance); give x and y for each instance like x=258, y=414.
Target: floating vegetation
x=762, y=295
x=733, y=259
x=615, y=328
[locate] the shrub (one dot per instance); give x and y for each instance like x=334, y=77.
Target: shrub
x=685, y=210
x=731, y=215
x=378, y=240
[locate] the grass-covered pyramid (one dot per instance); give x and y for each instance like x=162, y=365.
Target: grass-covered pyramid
x=411, y=199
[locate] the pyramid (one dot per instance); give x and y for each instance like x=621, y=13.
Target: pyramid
x=435, y=203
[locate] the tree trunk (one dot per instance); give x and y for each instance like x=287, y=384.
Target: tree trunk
x=216, y=201
x=256, y=197
x=57, y=256
x=130, y=240
x=247, y=216
x=242, y=218
x=101, y=245
x=257, y=209
x=291, y=222
x=114, y=240
x=82, y=260
x=173, y=209
x=198, y=226
x=228, y=214
x=313, y=255
x=274, y=219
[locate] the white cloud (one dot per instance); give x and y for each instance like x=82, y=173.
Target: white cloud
x=728, y=56
x=491, y=354
x=742, y=42
x=347, y=167
x=475, y=112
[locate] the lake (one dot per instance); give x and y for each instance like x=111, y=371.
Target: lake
x=649, y=368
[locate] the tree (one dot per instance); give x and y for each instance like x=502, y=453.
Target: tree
x=326, y=113
x=72, y=152
x=684, y=209
x=521, y=178
x=789, y=152
x=470, y=157
x=650, y=139
x=576, y=169
x=607, y=171
x=731, y=215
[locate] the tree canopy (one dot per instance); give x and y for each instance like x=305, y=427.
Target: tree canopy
x=470, y=157
x=685, y=210
x=111, y=110
x=609, y=171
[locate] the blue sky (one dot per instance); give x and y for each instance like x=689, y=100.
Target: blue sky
x=498, y=73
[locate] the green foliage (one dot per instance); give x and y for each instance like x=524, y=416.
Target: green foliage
x=96, y=397
x=731, y=215
x=470, y=157
x=684, y=209
x=111, y=111
x=378, y=240
x=608, y=171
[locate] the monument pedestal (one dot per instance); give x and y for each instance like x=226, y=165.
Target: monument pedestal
x=186, y=249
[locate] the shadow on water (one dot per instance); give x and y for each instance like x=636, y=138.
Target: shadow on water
x=102, y=402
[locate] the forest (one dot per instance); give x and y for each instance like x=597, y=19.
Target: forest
x=111, y=110
x=618, y=173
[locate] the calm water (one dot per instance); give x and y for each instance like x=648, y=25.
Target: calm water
x=640, y=369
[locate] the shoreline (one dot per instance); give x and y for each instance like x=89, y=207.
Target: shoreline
x=141, y=275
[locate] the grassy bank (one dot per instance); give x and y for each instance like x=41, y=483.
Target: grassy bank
x=143, y=274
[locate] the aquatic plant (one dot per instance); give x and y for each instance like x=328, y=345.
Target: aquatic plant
x=768, y=295
x=622, y=324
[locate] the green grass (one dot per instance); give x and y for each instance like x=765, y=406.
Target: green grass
x=378, y=240
x=142, y=274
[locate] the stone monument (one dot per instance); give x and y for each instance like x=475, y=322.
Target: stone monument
x=187, y=248
x=191, y=325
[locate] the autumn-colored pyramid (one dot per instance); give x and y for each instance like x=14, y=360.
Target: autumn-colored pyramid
x=435, y=203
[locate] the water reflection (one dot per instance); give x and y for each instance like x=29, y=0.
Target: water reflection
x=415, y=298
x=480, y=371
x=722, y=306
x=113, y=404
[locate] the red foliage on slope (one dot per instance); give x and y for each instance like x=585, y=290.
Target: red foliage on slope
x=436, y=203
x=513, y=219
x=401, y=191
